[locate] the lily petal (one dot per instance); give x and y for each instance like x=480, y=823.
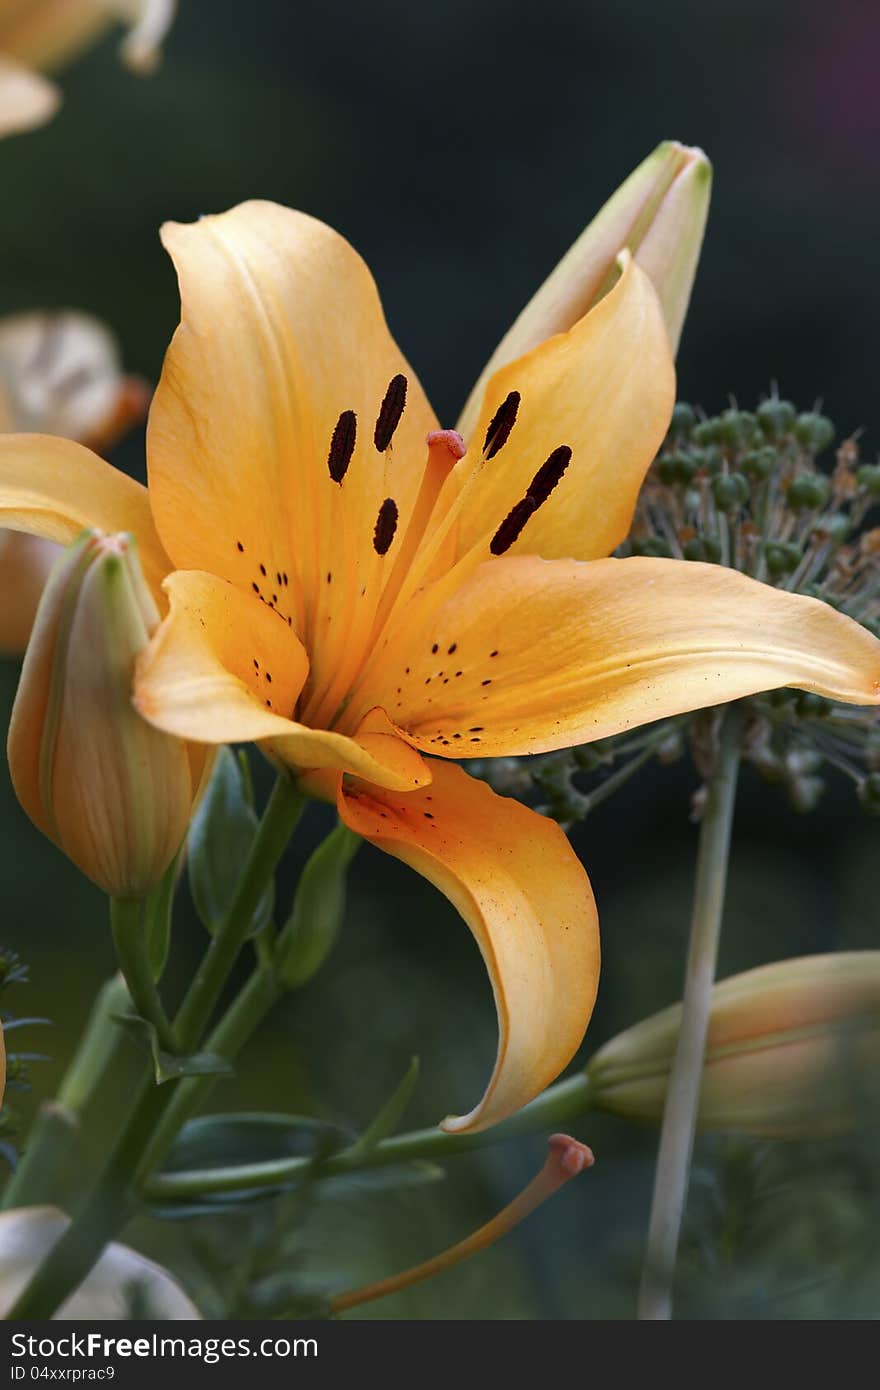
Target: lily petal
x=525, y=896
x=659, y=213
x=25, y=562
x=225, y=668
x=27, y=100
x=282, y=335
x=532, y=655
x=54, y=488
x=605, y=389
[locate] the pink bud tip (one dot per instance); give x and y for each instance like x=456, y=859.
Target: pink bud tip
x=572, y=1156
x=451, y=439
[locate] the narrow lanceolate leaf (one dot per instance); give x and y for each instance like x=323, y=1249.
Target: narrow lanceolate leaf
x=222, y=832
x=308, y=936
x=388, y=1118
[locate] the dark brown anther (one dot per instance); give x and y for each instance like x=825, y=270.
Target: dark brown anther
x=549, y=474
x=386, y=525
x=342, y=445
x=390, y=412
x=512, y=525
x=501, y=424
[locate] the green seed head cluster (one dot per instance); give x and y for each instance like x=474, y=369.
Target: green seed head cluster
x=763, y=492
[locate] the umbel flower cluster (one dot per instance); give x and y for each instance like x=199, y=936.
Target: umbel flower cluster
x=762, y=492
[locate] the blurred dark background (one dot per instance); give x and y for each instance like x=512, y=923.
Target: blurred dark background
x=462, y=147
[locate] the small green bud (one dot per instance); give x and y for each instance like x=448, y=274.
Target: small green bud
x=836, y=527
x=652, y=545
x=776, y=417
x=706, y=432
x=814, y=431
x=759, y=463
x=708, y=460
x=713, y=549
x=781, y=557
x=694, y=549
x=731, y=491
x=683, y=419
x=667, y=469
x=309, y=933
x=586, y=758
x=868, y=477
x=808, y=492
x=736, y=428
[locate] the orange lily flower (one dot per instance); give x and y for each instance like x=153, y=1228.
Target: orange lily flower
x=368, y=606
x=60, y=372
x=38, y=36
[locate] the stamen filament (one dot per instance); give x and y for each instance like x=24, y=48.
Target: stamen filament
x=566, y=1158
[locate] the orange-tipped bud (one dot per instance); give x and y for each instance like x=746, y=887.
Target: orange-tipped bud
x=659, y=215
x=111, y=791
x=793, y=1052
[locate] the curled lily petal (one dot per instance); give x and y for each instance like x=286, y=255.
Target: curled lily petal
x=525, y=896
x=54, y=488
x=532, y=655
x=659, y=214
x=225, y=668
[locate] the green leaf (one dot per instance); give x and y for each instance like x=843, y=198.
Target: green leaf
x=168, y=1067
x=307, y=937
x=158, y=918
x=391, y=1113
x=213, y=1142
x=222, y=832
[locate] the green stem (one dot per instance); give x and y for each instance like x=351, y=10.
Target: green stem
x=233, y=1030
x=108, y=1201
x=58, y=1121
x=102, y=1212
x=566, y=1101
x=683, y=1092
x=133, y=954
x=278, y=824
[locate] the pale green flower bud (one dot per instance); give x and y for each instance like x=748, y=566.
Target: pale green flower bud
x=793, y=1052
x=122, y=1285
x=110, y=790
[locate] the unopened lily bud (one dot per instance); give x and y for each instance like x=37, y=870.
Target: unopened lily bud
x=122, y=1285
x=793, y=1052
x=110, y=790
x=658, y=214
x=318, y=908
